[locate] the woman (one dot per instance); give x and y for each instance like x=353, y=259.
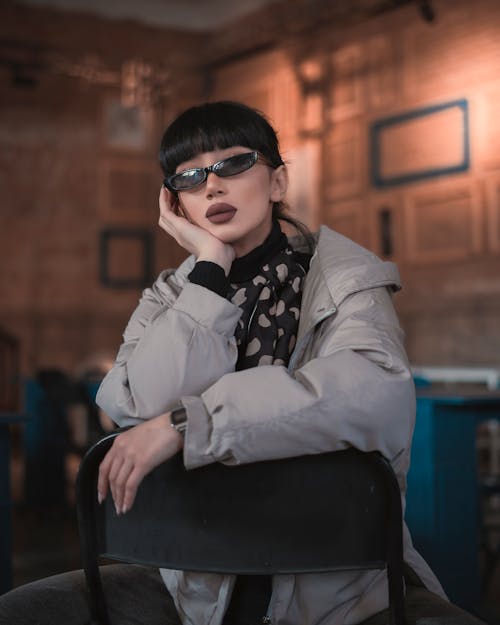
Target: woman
x=252, y=349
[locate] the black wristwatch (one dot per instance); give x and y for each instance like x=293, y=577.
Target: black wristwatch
x=178, y=418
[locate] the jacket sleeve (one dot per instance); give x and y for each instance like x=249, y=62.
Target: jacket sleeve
x=354, y=389
x=170, y=351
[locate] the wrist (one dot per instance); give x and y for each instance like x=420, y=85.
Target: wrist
x=173, y=439
x=222, y=256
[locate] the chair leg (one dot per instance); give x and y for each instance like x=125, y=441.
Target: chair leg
x=97, y=601
x=491, y=559
x=397, y=614
x=86, y=510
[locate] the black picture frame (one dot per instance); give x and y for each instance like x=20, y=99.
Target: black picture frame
x=380, y=126
x=106, y=238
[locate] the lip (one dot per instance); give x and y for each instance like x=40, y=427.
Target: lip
x=220, y=212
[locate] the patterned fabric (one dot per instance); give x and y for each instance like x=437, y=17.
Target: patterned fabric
x=267, y=330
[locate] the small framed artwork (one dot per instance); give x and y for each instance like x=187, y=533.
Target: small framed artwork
x=125, y=258
x=125, y=127
x=419, y=144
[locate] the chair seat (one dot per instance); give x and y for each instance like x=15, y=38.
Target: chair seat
x=423, y=607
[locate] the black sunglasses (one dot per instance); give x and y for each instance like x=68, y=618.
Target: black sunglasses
x=190, y=178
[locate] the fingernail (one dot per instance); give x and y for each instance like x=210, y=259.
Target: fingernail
x=124, y=510
x=117, y=510
x=100, y=498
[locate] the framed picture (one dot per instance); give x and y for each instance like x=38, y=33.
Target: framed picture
x=125, y=127
x=423, y=143
x=125, y=257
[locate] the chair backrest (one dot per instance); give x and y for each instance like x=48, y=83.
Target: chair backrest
x=317, y=513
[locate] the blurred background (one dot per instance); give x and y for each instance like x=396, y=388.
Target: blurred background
x=388, y=117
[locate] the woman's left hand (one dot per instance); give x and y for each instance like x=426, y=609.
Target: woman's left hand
x=133, y=455
x=193, y=238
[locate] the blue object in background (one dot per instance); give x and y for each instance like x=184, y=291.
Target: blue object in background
x=92, y=388
x=46, y=438
x=442, y=510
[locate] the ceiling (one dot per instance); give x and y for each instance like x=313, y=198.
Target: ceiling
x=198, y=15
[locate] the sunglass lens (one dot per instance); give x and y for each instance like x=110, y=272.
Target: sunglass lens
x=187, y=179
x=236, y=164
x=191, y=178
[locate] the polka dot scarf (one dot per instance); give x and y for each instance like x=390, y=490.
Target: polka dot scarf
x=267, y=330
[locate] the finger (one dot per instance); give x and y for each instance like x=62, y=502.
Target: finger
x=168, y=202
x=120, y=485
x=114, y=471
x=133, y=482
x=103, y=476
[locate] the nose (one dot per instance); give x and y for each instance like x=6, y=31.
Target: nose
x=215, y=186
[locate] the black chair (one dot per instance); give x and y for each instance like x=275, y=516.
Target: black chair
x=327, y=512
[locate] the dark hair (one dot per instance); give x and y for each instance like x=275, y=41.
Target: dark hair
x=219, y=125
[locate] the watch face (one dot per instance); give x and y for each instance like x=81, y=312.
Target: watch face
x=178, y=418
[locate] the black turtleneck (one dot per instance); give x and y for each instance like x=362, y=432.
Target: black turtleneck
x=212, y=276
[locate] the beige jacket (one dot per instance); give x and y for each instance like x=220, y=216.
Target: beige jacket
x=348, y=384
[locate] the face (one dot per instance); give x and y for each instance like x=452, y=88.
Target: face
x=235, y=209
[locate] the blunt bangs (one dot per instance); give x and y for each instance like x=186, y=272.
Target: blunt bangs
x=217, y=126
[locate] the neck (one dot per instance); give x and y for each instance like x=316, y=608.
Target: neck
x=247, y=244
x=247, y=266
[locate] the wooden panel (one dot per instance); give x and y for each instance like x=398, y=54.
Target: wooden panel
x=348, y=218
x=303, y=196
x=311, y=118
x=347, y=87
x=269, y=85
x=125, y=128
x=493, y=213
x=129, y=191
x=344, y=161
x=441, y=59
x=487, y=121
x=443, y=222
x=381, y=72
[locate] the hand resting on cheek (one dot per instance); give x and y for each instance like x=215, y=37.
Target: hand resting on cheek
x=191, y=237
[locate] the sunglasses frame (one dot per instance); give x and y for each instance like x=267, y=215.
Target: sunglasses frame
x=167, y=182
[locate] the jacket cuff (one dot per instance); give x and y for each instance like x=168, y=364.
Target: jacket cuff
x=208, y=309
x=198, y=433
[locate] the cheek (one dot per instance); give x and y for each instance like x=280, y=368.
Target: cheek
x=187, y=210
x=258, y=192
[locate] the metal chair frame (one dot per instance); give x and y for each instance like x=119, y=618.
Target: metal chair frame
x=309, y=514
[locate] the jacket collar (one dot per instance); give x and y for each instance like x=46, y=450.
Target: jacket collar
x=339, y=268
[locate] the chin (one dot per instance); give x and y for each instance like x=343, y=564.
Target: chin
x=227, y=233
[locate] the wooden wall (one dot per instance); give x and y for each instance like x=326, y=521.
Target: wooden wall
x=394, y=123
x=74, y=167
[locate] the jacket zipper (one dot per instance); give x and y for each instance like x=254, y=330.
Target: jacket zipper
x=251, y=317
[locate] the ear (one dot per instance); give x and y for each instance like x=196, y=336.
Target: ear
x=279, y=183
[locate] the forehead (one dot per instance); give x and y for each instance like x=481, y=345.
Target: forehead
x=204, y=159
